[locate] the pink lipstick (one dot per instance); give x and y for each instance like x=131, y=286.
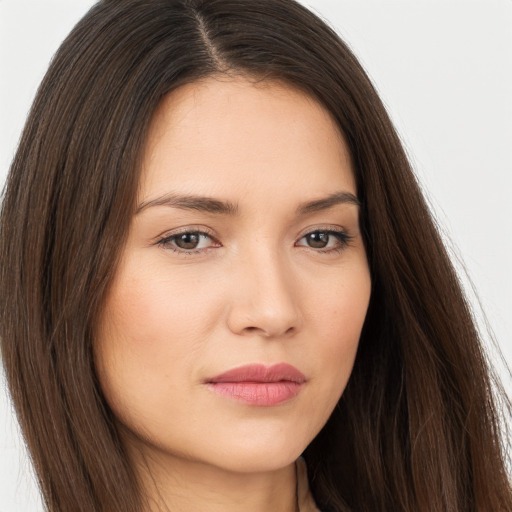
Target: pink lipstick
x=257, y=384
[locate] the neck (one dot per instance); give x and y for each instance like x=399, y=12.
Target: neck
x=179, y=485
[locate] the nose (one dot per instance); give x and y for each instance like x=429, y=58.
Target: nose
x=265, y=301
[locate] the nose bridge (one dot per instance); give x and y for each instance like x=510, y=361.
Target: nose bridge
x=264, y=301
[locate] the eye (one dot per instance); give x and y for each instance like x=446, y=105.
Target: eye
x=324, y=240
x=188, y=241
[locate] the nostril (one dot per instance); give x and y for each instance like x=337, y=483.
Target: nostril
x=268, y=333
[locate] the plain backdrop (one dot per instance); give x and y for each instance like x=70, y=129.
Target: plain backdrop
x=444, y=70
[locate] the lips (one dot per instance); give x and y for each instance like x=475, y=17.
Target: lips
x=259, y=385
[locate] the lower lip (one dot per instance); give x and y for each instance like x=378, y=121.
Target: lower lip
x=264, y=394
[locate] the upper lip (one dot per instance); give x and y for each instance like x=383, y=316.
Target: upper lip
x=261, y=373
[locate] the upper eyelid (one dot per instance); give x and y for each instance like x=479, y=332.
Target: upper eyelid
x=207, y=231
x=186, y=229
x=204, y=229
x=323, y=227
x=175, y=235
x=165, y=242
x=341, y=234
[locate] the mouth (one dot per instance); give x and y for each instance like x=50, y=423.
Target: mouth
x=259, y=385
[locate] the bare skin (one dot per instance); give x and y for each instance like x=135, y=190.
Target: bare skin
x=245, y=250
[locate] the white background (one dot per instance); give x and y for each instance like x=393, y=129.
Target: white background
x=444, y=70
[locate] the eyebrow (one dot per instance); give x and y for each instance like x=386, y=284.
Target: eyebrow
x=328, y=202
x=211, y=205
x=189, y=202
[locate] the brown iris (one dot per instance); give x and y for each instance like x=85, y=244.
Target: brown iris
x=318, y=239
x=187, y=240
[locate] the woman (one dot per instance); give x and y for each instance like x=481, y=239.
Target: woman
x=190, y=309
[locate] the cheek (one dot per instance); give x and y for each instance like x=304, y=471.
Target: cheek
x=338, y=315
x=151, y=331
x=338, y=303
x=149, y=312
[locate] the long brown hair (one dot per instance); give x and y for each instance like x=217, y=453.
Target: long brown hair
x=417, y=428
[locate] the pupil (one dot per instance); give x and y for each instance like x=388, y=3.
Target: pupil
x=187, y=240
x=318, y=240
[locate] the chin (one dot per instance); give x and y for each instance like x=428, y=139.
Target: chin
x=258, y=453
x=248, y=460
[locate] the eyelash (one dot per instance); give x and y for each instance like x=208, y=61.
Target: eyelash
x=342, y=237
x=166, y=242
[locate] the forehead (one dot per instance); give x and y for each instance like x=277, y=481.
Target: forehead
x=223, y=136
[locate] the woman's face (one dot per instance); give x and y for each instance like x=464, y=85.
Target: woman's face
x=232, y=324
